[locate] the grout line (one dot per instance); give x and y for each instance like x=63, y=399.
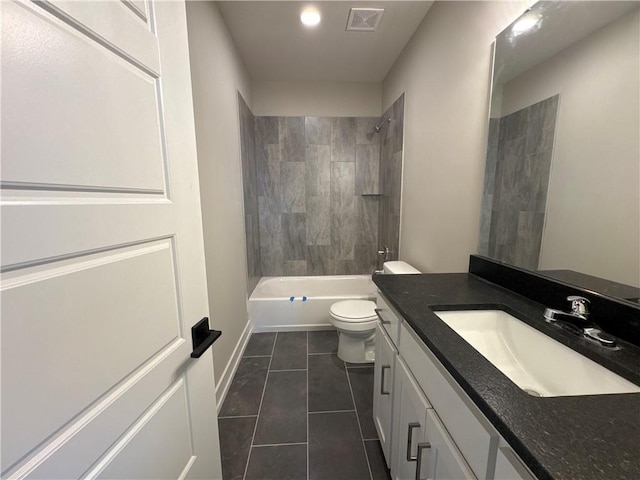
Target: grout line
x=264, y=388
x=256, y=356
x=279, y=444
x=332, y=411
x=237, y=416
x=364, y=447
x=289, y=370
x=321, y=353
x=307, y=416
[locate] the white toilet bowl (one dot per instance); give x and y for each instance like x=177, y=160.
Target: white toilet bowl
x=355, y=321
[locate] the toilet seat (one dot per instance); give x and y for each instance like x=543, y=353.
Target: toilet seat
x=354, y=311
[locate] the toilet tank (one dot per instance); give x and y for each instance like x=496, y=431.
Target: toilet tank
x=398, y=267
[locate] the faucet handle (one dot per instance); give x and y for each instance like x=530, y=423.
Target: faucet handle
x=578, y=305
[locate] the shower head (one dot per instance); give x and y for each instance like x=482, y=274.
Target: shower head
x=379, y=126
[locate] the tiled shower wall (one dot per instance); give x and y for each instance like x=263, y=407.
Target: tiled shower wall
x=321, y=194
x=250, y=191
x=516, y=184
x=312, y=172
x=391, y=178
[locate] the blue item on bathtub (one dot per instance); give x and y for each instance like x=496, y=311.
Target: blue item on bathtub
x=304, y=299
x=291, y=299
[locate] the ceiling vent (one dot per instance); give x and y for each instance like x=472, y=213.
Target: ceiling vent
x=364, y=19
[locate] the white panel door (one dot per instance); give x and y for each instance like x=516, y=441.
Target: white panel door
x=409, y=423
x=102, y=255
x=383, y=391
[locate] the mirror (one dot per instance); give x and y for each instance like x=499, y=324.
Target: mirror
x=562, y=178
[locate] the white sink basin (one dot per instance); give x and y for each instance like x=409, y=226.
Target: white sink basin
x=538, y=364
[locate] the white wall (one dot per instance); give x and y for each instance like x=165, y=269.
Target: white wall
x=593, y=206
x=322, y=99
x=445, y=71
x=217, y=72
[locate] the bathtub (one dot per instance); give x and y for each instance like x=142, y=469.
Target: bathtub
x=302, y=303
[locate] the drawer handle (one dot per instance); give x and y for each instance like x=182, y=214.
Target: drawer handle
x=412, y=426
x=421, y=447
x=382, y=370
x=382, y=320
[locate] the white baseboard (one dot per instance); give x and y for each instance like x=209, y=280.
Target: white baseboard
x=230, y=370
x=257, y=328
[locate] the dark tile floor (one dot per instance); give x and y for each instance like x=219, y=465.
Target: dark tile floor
x=294, y=410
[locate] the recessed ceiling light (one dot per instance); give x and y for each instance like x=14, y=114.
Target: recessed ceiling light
x=310, y=17
x=527, y=22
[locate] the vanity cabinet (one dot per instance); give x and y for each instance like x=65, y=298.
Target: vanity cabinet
x=425, y=409
x=383, y=388
x=409, y=424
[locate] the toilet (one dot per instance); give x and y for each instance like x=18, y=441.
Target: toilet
x=355, y=321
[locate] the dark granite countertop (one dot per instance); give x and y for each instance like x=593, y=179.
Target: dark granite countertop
x=582, y=437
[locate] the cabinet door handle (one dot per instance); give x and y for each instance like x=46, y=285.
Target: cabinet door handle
x=382, y=370
x=382, y=320
x=421, y=447
x=412, y=426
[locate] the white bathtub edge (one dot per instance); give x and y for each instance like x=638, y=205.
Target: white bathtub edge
x=230, y=370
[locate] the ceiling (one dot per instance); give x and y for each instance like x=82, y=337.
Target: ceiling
x=276, y=46
x=563, y=24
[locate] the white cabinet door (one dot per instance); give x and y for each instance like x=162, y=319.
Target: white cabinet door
x=409, y=423
x=383, y=391
x=443, y=461
x=102, y=252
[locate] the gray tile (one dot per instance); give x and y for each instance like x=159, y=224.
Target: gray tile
x=318, y=170
x=292, y=139
x=540, y=129
x=294, y=268
x=367, y=169
x=514, y=125
x=293, y=187
x=365, y=134
x=377, y=463
x=362, y=386
x=343, y=235
x=294, y=233
x=328, y=385
x=323, y=341
x=280, y=462
x=367, y=220
x=267, y=130
x=397, y=124
x=318, y=130
x=393, y=236
x=342, y=187
x=271, y=263
x=318, y=221
x=365, y=258
x=260, y=344
x=268, y=167
x=290, y=351
x=336, y=451
x=271, y=239
x=235, y=442
x=245, y=392
x=318, y=260
x=344, y=267
x=485, y=224
x=529, y=240
x=394, y=188
x=283, y=416
x=343, y=139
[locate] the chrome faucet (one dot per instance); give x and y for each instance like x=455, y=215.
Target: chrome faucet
x=577, y=321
